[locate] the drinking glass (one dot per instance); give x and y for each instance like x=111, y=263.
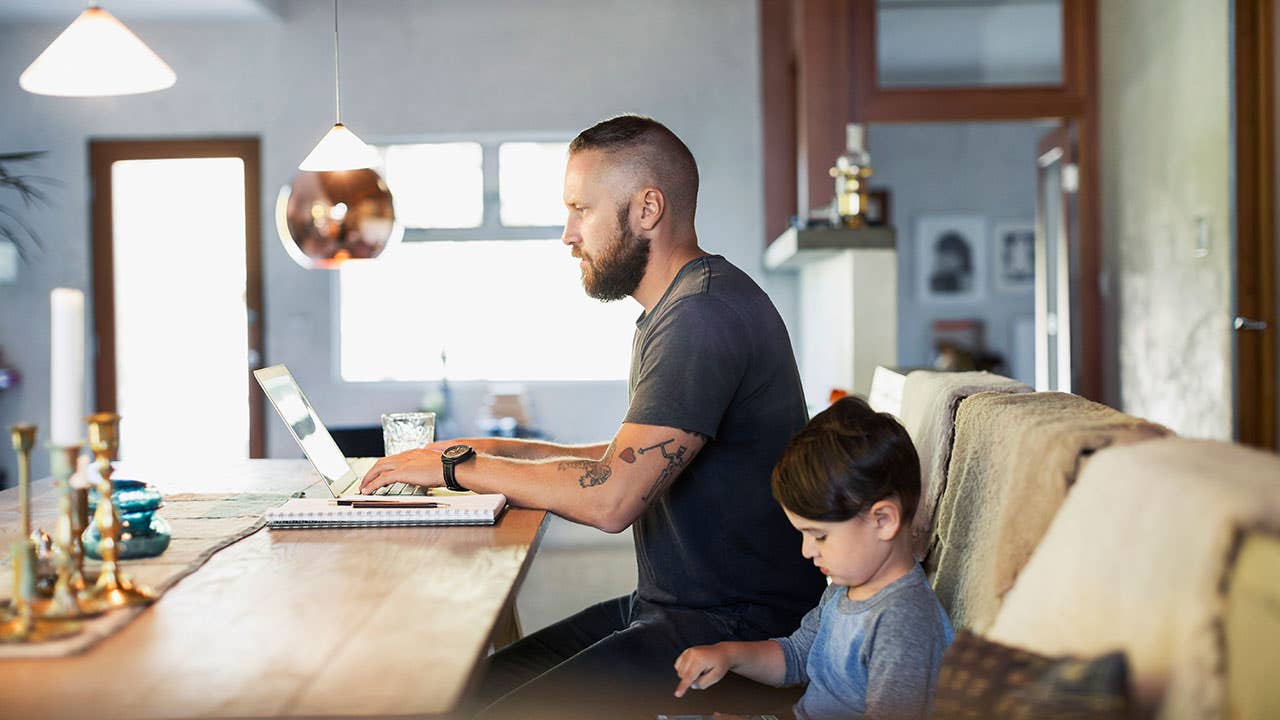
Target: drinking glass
x=407, y=431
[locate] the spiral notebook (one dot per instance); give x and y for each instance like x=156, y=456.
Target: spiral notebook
x=325, y=512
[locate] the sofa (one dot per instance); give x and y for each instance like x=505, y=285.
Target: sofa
x=1069, y=541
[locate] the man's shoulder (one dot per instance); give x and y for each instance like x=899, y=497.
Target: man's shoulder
x=710, y=286
x=703, y=310
x=710, y=276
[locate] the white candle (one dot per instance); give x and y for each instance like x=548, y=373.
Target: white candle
x=66, y=367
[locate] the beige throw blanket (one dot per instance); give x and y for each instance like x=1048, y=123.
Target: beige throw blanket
x=1014, y=458
x=929, y=403
x=1137, y=560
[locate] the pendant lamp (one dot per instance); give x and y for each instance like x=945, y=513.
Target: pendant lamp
x=339, y=149
x=96, y=56
x=325, y=219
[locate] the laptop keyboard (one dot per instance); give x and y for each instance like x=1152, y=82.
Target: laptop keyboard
x=400, y=489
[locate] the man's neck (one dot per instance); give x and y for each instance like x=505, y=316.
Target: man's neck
x=662, y=269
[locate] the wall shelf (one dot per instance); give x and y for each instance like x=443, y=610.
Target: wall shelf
x=796, y=248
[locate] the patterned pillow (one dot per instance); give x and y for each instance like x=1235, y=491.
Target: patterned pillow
x=983, y=679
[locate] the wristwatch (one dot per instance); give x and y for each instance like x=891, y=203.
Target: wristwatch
x=455, y=455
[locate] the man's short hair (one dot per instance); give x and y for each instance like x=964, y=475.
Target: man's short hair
x=846, y=459
x=653, y=152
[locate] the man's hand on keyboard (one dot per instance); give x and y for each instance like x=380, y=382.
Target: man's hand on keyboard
x=414, y=467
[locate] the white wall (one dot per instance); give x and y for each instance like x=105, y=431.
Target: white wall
x=1164, y=101
x=848, y=322
x=409, y=69
x=986, y=169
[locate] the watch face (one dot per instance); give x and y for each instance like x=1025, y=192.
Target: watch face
x=453, y=452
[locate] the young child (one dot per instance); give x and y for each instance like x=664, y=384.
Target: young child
x=849, y=482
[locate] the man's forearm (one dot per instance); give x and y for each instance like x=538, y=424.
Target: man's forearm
x=540, y=450
x=574, y=488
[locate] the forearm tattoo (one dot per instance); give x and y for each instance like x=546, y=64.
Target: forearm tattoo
x=594, y=472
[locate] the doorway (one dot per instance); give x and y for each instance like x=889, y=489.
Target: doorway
x=808, y=97
x=178, y=295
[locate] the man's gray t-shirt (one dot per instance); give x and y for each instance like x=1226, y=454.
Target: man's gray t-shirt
x=713, y=357
x=874, y=658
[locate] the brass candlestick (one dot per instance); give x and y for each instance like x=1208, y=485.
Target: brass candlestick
x=114, y=588
x=24, y=438
x=63, y=605
x=79, y=521
x=21, y=625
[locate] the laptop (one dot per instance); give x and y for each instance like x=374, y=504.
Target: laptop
x=341, y=475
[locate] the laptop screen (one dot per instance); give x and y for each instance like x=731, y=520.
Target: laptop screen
x=305, y=425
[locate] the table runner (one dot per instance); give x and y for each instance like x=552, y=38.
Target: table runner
x=202, y=524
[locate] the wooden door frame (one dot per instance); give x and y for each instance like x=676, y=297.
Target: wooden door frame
x=1070, y=98
x=1254, y=381
x=105, y=152
x=778, y=88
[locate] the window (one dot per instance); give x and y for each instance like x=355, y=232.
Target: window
x=436, y=186
x=482, y=276
x=530, y=180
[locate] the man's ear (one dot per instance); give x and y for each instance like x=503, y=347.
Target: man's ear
x=652, y=207
x=887, y=516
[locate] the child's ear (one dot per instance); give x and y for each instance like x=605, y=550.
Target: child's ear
x=887, y=516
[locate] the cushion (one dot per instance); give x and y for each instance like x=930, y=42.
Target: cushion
x=1138, y=559
x=1253, y=628
x=984, y=679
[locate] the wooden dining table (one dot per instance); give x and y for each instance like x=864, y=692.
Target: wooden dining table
x=354, y=622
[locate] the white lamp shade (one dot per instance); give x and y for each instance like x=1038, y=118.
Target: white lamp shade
x=96, y=56
x=339, y=149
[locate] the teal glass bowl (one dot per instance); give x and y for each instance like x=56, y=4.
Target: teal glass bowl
x=129, y=497
x=142, y=533
x=136, y=540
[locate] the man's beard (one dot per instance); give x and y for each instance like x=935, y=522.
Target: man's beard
x=617, y=271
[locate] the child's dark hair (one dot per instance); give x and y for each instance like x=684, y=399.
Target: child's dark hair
x=846, y=459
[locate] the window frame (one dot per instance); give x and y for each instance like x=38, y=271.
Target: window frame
x=491, y=227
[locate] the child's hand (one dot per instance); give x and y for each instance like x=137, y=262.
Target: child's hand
x=701, y=667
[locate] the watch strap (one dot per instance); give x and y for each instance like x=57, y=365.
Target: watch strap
x=450, y=481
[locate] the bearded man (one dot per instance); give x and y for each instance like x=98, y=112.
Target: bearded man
x=714, y=397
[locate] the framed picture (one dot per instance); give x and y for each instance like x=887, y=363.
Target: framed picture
x=951, y=257
x=1015, y=255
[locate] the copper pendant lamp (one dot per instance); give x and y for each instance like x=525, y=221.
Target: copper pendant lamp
x=337, y=208
x=328, y=218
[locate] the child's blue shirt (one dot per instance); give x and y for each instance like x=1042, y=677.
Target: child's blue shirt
x=874, y=658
